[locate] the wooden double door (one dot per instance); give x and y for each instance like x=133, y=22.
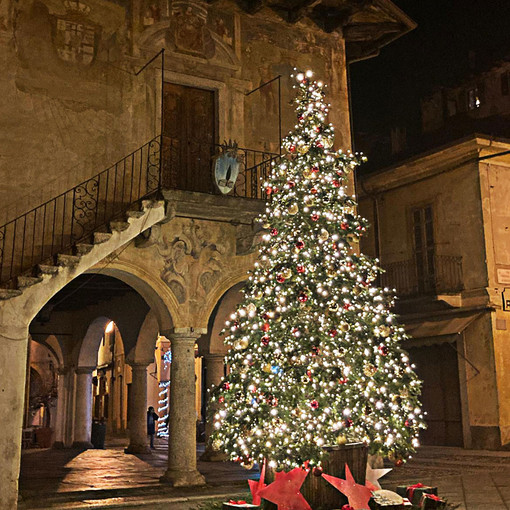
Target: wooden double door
x=437, y=367
x=189, y=135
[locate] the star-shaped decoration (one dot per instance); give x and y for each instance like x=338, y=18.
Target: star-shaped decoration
x=284, y=491
x=373, y=476
x=358, y=495
x=257, y=485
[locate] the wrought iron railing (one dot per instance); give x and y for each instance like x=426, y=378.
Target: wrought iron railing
x=187, y=166
x=446, y=277
x=55, y=226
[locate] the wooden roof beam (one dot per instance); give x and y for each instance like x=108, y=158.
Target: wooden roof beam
x=251, y=6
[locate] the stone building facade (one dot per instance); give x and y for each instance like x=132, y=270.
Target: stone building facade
x=150, y=243
x=440, y=228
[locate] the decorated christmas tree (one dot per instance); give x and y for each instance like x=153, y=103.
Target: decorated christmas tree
x=315, y=358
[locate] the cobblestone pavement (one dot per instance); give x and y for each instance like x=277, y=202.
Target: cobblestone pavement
x=69, y=479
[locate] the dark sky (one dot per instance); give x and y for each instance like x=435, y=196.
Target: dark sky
x=436, y=52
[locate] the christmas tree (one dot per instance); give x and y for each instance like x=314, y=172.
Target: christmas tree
x=315, y=356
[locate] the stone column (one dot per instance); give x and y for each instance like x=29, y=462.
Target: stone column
x=60, y=431
x=83, y=408
x=137, y=403
x=215, y=369
x=13, y=357
x=182, y=444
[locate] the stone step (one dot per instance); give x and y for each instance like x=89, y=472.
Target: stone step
x=27, y=281
x=43, y=269
x=118, y=226
x=135, y=214
x=9, y=293
x=82, y=249
x=67, y=260
x=101, y=237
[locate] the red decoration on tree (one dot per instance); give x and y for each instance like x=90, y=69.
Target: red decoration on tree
x=300, y=269
x=335, y=183
x=300, y=245
x=357, y=494
x=226, y=386
x=265, y=340
x=317, y=471
x=266, y=327
x=280, y=278
x=383, y=350
x=303, y=298
x=285, y=490
x=274, y=232
x=314, y=217
x=269, y=190
x=292, y=148
x=313, y=191
x=314, y=404
x=344, y=226
x=333, y=332
x=291, y=184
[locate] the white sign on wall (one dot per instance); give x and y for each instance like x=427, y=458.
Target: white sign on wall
x=504, y=276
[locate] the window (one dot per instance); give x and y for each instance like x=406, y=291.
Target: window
x=505, y=78
x=423, y=232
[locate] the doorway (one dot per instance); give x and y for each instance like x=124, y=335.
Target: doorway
x=189, y=135
x=437, y=367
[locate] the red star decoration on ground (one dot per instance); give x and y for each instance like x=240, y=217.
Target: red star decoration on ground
x=257, y=485
x=284, y=491
x=358, y=495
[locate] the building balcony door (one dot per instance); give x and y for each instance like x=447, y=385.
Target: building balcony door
x=188, y=138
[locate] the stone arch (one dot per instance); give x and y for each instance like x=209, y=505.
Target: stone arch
x=143, y=352
x=156, y=294
x=237, y=276
x=87, y=356
x=212, y=343
x=52, y=344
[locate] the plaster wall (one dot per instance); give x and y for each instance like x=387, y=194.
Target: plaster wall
x=458, y=227
x=72, y=105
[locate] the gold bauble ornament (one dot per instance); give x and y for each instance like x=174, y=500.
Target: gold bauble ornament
x=327, y=142
x=303, y=148
x=287, y=273
x=309, y=199
x=267, y=368
x=341, y=352
x=369, y=370
x=341, y=440
x=247, y=464
x=293, y=209
x=384, y=331
x=258, y=294
x=266, y=225
x=251, y=308
x=333, y=307
x=323, y=236
x=216, y=445
x=307, y=173
x=356, y=291
x=331, y=270
x=241, y=344
x=404, y=393
x=344, y=327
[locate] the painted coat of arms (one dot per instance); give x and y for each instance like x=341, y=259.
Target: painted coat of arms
x=75, y=35
x=226, y=167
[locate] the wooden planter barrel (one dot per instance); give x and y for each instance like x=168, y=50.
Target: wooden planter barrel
x=320, y=494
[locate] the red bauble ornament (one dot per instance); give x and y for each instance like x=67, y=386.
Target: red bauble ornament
x=265, y=340
x=221, y=400
x=347, y=306
x=303, y=298
x=300, y=269
x=344, y=226
x=314, y=404
x=348, y=423
x=313, y=191
x=292, y=148
x=360, y=228
x=333, y=332
x=317, y=471
x=280, y=278
x=315, y=351
x=265, y=316
x=315, y=169
x=296, y=332
x=269, y=190
x=300, y=245
x=335, y=183
x=343, y=380
x=399, y=462
x=320, y=145
x=309, y=374
x=226, y=386
x=274, y=232
x=235, y=324
x=314, y=217
x=383, y=350
x=265, y=327
x=291, y=184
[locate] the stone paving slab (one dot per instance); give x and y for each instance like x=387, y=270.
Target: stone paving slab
x=67, y=479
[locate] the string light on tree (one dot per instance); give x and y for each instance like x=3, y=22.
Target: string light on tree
x=316, y=358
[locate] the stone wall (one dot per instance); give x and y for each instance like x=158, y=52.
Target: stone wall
x=71, y=104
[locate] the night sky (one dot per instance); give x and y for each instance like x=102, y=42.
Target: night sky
x=388, y=87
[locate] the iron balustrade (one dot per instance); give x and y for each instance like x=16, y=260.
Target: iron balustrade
x=189, y=167
x=403, y=276
x=54, y=227
x=37, y=236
